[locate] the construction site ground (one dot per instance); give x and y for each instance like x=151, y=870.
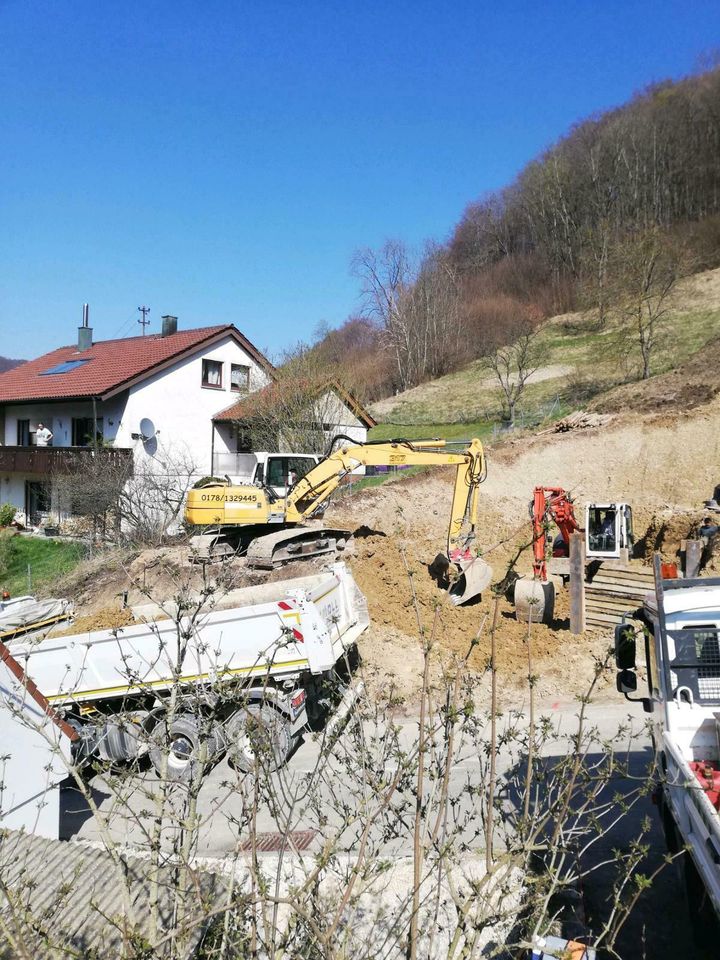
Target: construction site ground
x=663, y=463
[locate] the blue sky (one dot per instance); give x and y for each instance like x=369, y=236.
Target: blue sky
x=222, y=160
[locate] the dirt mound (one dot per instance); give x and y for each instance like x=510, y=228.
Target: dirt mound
x=107, y=618
x=665, y=531
x=402, y=597
x=691, y=385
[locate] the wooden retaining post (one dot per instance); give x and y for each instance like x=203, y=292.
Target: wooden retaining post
x=577, y=583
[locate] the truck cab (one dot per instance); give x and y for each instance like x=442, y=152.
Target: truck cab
x=277, y=471
x=681, y=634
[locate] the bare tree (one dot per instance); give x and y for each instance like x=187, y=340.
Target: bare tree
x=513, y=365
x=298, y=411
x=409, y=860
x=418, y=306
x=646, y=268
x=136, y=498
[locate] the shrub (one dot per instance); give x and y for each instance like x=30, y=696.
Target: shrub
x=7, y=548
x=7, y=514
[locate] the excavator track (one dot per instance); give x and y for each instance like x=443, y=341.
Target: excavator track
x=273, y=549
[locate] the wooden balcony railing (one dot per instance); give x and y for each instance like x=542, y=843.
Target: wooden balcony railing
x=54, y=460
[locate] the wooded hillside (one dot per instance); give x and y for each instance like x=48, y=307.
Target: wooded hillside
x=643, y=176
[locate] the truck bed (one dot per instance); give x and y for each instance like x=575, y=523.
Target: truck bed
x=275, y=631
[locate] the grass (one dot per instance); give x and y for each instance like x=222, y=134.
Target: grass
x=466, y=403
x=48, y=560
x=430, y=431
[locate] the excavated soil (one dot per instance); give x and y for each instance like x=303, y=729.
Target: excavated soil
x=107, y=618
x=664, y=465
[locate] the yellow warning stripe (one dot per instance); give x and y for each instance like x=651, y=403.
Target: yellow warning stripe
x=164, y=683
x=323, y=595
x=34, y=626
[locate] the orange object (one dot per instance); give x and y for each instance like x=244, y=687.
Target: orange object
x=668, y=571
x=550, y=503
x=576, y=951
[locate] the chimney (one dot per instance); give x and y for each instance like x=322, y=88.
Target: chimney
x=85, y=331
x=169, y=325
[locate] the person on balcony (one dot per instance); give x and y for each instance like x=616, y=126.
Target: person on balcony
x=43, y=436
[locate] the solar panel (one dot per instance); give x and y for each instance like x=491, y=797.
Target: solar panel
x=64, y=367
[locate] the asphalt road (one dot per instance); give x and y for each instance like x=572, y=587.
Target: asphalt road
x=658, y=927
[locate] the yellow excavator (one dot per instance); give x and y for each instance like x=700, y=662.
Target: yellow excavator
x=234, y=516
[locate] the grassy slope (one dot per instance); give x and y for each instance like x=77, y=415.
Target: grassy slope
x=48, y=560
x=466, y=402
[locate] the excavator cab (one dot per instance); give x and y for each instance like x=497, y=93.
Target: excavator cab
x=608, y=530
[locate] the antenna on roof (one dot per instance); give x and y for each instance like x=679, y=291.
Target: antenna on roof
x=144, y=322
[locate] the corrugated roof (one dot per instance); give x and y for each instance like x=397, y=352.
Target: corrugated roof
x=111, y=366
x=58, y=898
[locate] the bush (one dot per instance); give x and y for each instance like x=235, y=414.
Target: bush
x=7, y=549
x=7, y=514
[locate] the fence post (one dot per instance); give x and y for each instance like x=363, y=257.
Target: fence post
x=577, y=583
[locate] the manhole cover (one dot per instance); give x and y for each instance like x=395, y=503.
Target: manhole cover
x=274, y=842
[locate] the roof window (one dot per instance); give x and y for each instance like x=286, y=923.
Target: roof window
x=64, y=367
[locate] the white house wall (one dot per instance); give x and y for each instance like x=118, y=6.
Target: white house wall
x=181, y=409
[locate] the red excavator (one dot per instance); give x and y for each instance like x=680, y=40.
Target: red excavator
x=535, y=598
x=608, y=536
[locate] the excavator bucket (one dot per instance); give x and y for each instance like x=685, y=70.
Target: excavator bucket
x=475, y=576
x=534, y=600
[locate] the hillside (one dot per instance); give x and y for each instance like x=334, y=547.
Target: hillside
x=581, y=366
x=7, y=364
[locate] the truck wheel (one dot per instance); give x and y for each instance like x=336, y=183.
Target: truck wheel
x=258, y=734
x=187, y=748
x=703, y=921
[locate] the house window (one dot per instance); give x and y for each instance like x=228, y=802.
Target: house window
x=239, y=377
x=243, y=439
x=212, y=373
x=23, y=433
x=82, y=431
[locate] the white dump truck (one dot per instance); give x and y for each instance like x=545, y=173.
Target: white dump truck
x=681, y=632
x=260, y=671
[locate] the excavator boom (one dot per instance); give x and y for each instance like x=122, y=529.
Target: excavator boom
x=535, y=598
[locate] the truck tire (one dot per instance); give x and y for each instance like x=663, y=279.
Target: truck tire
x=703, y=921
x=188, y=748
x=258, y=735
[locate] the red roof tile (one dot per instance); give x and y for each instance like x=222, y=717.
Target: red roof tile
x=112, y=365
x=243, y=410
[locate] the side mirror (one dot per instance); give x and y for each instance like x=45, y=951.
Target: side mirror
x=625, y=647
x=626, y=681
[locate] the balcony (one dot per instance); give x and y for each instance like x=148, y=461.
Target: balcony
x=47, y=461
x=239, y=466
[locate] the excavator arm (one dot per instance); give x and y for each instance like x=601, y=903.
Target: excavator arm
x=550, y=503
x=535, y=597
x=310, y=494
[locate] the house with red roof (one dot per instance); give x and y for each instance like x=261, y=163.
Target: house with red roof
x=176, y=401
x=150, y=399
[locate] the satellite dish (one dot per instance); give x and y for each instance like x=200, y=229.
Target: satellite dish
x=147, y=429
